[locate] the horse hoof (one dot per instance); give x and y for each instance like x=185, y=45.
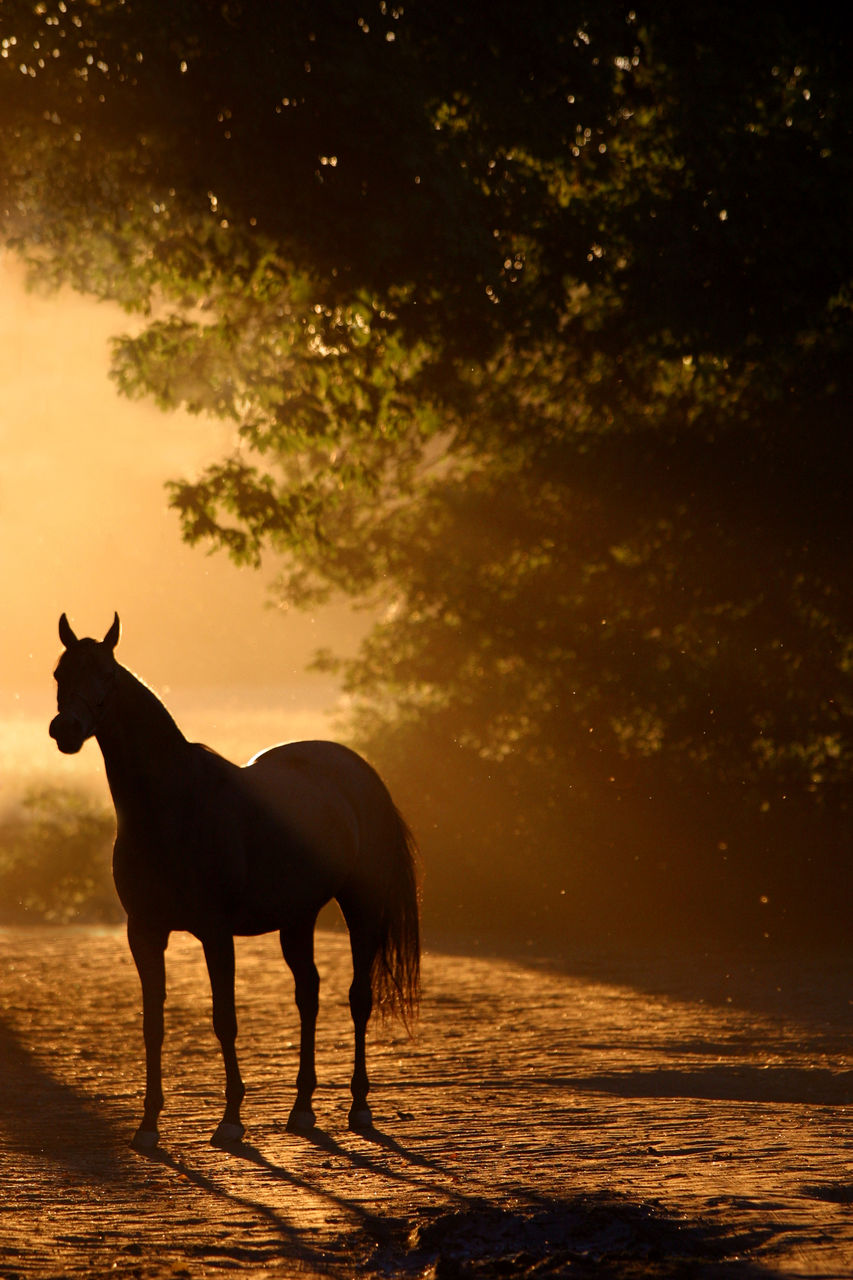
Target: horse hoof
x=145, y=1139
x=228, y=1134
x=360, y=1118
x=301, y=1120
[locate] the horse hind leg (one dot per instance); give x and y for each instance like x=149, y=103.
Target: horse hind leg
x=364, y=948
x=297, y=947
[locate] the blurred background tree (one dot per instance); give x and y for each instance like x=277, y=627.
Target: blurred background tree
x=535, y=330
x=55, y=848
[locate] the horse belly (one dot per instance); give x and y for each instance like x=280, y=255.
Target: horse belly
x=285, y=880
x=178, y=885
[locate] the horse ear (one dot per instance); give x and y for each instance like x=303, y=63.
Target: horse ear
x=66, y=635
x=110, y=640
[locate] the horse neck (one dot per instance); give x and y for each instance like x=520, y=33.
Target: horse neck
x=139, y=740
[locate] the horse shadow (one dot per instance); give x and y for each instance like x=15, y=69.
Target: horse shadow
x=369, y=1231
x=450, y=1233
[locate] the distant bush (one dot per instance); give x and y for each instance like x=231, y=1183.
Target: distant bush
x=55, y=859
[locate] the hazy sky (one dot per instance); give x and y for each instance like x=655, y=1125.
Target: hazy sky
x=85, y=528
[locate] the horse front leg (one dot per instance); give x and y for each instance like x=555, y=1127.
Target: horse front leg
x=148, y=948
x=219, y=954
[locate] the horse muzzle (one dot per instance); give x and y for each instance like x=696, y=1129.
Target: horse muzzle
x=68, y=733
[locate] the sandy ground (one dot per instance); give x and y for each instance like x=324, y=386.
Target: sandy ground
x=600, y=1117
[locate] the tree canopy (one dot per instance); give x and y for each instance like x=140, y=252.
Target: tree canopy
x=535, y=330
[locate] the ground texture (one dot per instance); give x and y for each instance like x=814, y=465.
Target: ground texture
x=594, y=1117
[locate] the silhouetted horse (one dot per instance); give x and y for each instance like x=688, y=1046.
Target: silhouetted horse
x=217, y=850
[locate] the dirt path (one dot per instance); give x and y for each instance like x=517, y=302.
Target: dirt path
x=542, y=1123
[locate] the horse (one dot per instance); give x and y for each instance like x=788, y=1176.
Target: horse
x=219, y=850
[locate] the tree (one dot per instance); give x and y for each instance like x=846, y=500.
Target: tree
x=537, y=336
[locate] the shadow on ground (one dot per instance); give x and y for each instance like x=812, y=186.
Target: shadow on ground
x=470, y=1238
x=602, y=1237
x=43, y=1117
x=814, y=1085
x=809, y=985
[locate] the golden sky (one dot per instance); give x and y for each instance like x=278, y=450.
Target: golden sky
x=85, y=529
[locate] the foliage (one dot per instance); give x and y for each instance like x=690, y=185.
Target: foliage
x=535, y=335
x=55, y=860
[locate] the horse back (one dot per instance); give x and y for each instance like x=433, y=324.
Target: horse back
x=321, y=793
x=325, y=822
x=256, y=846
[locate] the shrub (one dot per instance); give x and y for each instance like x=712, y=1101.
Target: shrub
x=55, y=859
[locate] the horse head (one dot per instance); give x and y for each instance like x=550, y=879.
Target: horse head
x=85, y=676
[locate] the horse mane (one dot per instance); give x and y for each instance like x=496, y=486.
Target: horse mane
x=210, y=751
x=147, y=699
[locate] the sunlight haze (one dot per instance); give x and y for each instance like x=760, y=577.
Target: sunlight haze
x=85, y=528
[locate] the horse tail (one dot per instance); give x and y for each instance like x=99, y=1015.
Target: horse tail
x=395, y=975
